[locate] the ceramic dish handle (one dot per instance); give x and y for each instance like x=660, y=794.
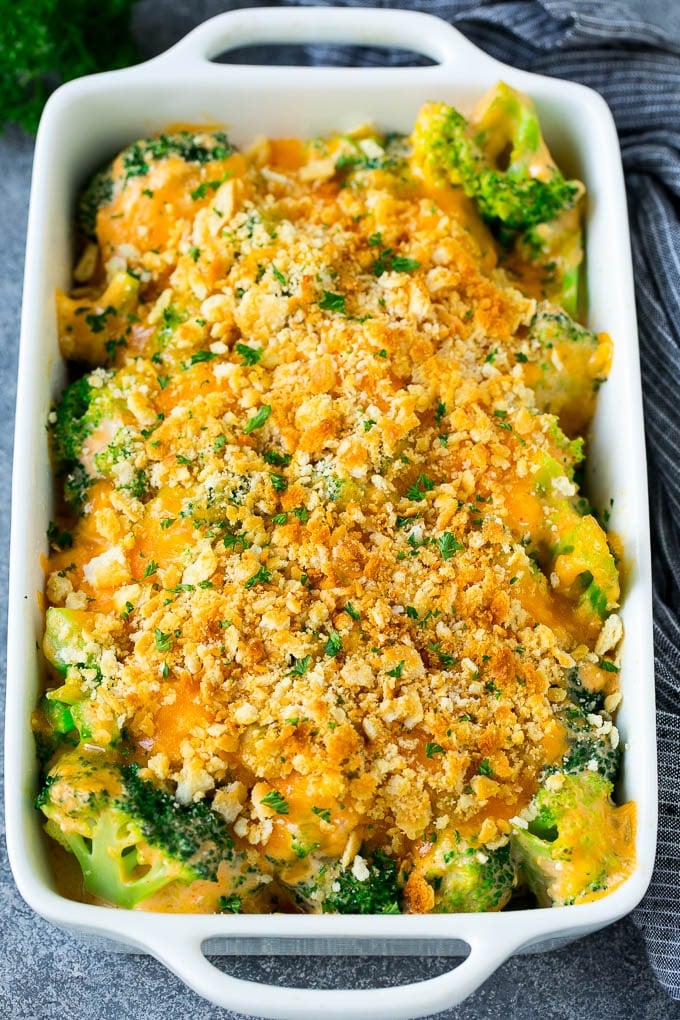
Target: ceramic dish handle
x=184, y=957
x=408, y=30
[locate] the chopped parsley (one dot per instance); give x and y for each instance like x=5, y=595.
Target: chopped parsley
x=300, y=667
x=277, y=459
x=431, y=749
x=258, y=419
x=332, y=302
x=421, y=485
x=262, y=576
x=249, y=355
x=202, y=190
x=59, y=539
x=276, y=801
x=229, y=904
x=448, y=545
x=334, y=644
x=200, y=356
x=278, y=481
x=351, y=611
x=164, y=642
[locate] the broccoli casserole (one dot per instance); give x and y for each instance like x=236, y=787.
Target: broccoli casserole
x=330, y=625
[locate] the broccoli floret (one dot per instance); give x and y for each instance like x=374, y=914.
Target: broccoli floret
x=566, y=365
x=136, y=160
x=577, y=843
x=584, y=563
x=500, y=161
x=590, y=748
x=332, y=889
x=130, y=838
x=77, y=414
x=89, y=406
x=200, y=147
x=80, y=411
x=466, y=878
x=377, y=893
x=98, y=192
x=364, y=154
x=71, y=711
x=53, y=728
x=69, y=639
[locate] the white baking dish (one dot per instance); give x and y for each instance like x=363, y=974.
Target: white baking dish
x=85, y=123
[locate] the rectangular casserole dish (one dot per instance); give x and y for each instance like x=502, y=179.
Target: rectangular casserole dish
x=88, y=121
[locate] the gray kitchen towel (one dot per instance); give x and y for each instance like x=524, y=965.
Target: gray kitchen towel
x=636, y=67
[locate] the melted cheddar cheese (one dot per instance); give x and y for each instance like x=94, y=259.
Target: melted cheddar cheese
x=328, y=552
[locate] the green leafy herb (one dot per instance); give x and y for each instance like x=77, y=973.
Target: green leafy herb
x=417, y=491
x=397, y=671
x=277, y=459
x=229, y=904
x=249, y=355
x=386, y=262
x=276, y=801
x=279, y=482
x=164, y=642
x=199, y=356
x=202, y=190
x=97, y=322
x=431, y=749
x=323, y=813
x=334, y=644
x=351, y=611
x=608, y=666
x=258, y=419
x=300, y=667
x=48, y=42
x=125, y=615
x=332, y=302
x=485, y=768
x=448, y=545
x=262, y=576
x=403, y=265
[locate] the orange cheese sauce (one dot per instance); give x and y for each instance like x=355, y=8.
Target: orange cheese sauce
x=315, y=544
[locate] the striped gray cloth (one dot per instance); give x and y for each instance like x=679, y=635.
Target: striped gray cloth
x=637, y=70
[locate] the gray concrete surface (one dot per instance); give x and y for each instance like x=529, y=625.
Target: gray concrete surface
x=45, y=974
